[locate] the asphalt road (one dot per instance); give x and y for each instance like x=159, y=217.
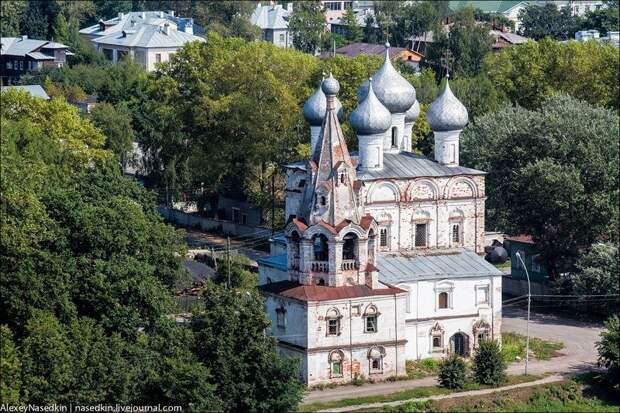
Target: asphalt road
x=579, y=353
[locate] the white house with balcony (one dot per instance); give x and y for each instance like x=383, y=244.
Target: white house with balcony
x=382, y=262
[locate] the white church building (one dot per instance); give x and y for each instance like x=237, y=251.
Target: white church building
x=381, y=259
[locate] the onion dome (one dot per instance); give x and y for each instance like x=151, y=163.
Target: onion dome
x=391, y=88
x=330, y=85
x=412, y=114
x=316, y=107
x=370, y=117
x=447, y=113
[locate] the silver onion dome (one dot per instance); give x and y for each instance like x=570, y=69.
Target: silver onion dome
x=316, y=107
x=370, y=117
x=330, y=85
x=393, y=90
x=447, y=113
x=412, y=114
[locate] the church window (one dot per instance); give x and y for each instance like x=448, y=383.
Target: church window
x=375, y=356
x=394, y=137
x=343, y=178
x=302, y=183
x=333, y=322
x=370, y=320
x=323, y=201
x=320, y=282
x=482, y=294
x=436, y=342
x=456, y=234
x=443, y=300
x=420, y=235
x=281, y=317
x=335, y=363
x=383, y=237
x=349, y=246
x=320, y=247
x=437, y=337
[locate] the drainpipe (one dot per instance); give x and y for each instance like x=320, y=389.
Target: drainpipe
x=350, y=339
x=396, y=335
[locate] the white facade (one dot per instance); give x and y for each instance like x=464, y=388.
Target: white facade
x=395, y=240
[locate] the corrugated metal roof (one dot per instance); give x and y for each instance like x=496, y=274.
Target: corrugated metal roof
x=395, y=268
x=40, y=56
x=117, y=24
x=297, y=291
x=34, y=90
x=148, y=36
x=405, y=165
x=18, y=46
x=487, y=6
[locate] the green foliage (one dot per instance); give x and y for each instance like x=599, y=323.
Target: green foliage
x=10, y=365
x=596, y=272
x=306, y=26
x=238, y=276
x=604, y=20
x=478, y=94
x=554, y=172
x=35, y=21
x=547, y=20
x=11, y=13
x=115, y=123
x=530, y=73
x=354, y=31
x=60, y=29
x=249, y=374
x=453, y=372
x=489, y=366
x=609, y=351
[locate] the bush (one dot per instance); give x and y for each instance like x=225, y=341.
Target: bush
x=489, y=365
x=609, y=351
x=453, y=372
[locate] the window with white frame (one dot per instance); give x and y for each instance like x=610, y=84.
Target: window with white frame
x=437, y=338
x=371, y=319
x=157, y=57
x=281, y=38
x=442, y=299
x=456, y=235
x=333, y=322
x=482, y=294
x=443, y=296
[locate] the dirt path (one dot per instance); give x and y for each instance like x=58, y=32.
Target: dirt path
x=373, y=406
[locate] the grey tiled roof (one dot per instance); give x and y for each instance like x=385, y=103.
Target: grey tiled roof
x=404, y=165
x=395, y=268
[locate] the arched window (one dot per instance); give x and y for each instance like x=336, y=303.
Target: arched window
x=456, y=234
x=349, y=247
x=320, y=247
x=333, y=322
x=295, y=240
x=343, y=178
x=323, y=200
x=321, y=282
x=394, y=137
x=437, y=337
x=336, y=358
x=443, y=300
x=375, y=358
x=371, y=318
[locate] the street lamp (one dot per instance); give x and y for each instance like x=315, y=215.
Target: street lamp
x=529, y=299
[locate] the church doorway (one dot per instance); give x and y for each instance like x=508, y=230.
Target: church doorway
x=459, y=344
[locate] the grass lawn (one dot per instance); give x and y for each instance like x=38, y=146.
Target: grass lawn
x=565, y=396
x=513, y=347
x=413, y=393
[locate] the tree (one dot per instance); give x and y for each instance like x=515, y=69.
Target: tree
x=60, y=29
x=604, y=20
x=453, y=372
x=354, y=31
x=538, y=22
x=489, y=365
x=468, y=43
x=478, y=94
x=370, y=32
x=226, y=18
x=306, y=26
x=609, y=352
x=11, y=14
x=596, y=272
x=231, y=342
x=530, y=73
x=554, y=174
x=35, y=22
x=115, y=123
x=10, y=364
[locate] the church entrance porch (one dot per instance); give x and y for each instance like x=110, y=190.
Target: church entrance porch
x=459, y=344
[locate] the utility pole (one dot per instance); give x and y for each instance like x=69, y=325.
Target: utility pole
x=529, y=300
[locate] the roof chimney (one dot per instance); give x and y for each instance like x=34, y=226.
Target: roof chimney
x=142, y=15
x=167, y=29
x=171, y=12
x=24, y=37
x=161, y=14
x=121, y=15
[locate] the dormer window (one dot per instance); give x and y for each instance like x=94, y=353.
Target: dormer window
x=322, y=200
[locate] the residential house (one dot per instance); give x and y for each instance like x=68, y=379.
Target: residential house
x=34, y=90
x=613, y=37
x=85, y=105
x=20, y=55
x=578, y=8
x=504, y=38
x=148, y=38
x=338, y=26
x=382, y=261
x=370, y=49
x=239, y=211
x=516, y=283
x=273, y=22
x=507, y=8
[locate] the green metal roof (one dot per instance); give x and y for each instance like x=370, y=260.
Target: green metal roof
x=487, y=6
